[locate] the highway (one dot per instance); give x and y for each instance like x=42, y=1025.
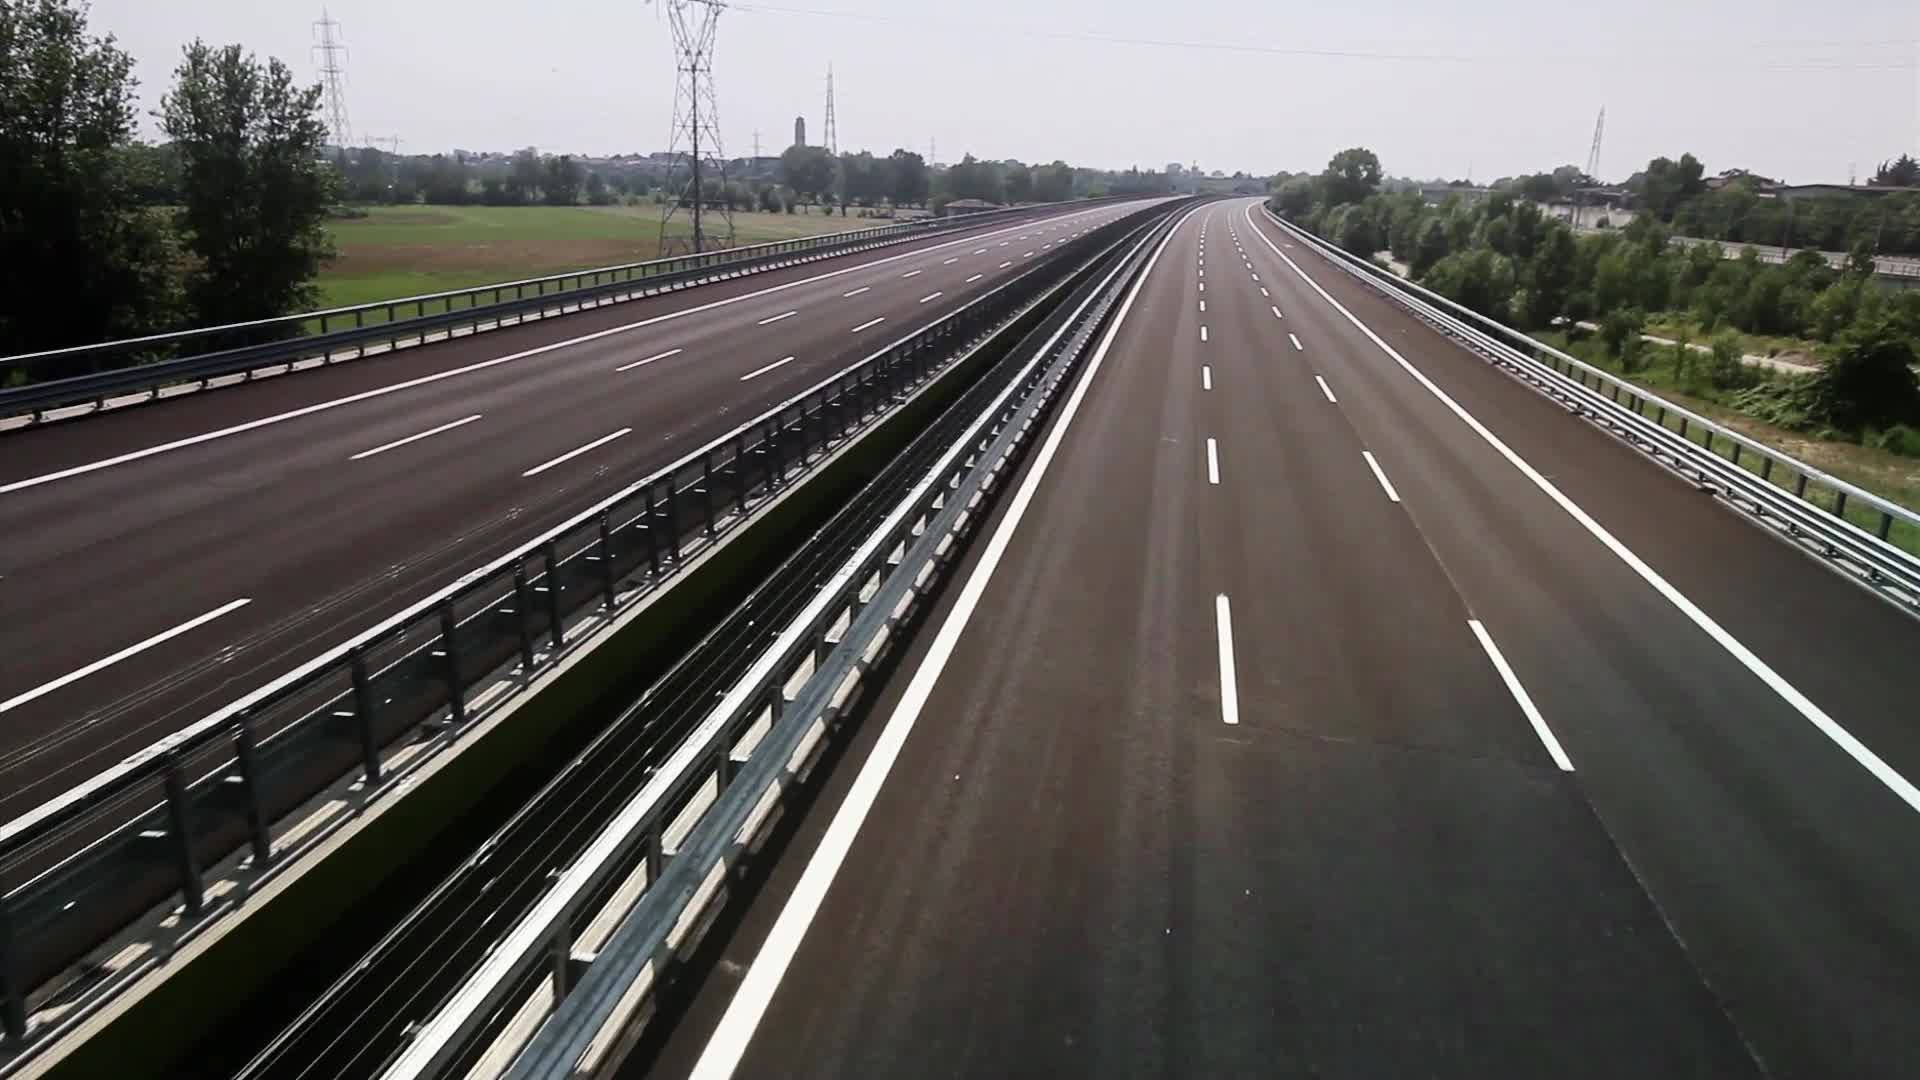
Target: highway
x=163, y=560
x=1322, y=701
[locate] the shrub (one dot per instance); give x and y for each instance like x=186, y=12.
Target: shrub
x=1728, y=370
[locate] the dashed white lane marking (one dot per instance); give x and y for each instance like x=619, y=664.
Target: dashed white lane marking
x=1229, y=682
x=757, y=372
x=649, y=360
x=1206, y=376
x=1203, y=333
x=1265, y=293
x=950, y=262
x=1203, y=307
x=1327, y=390
x=931, y=296
x=1521, y=697
x=1380, y=475
x=571, y=454
x=104, y=662
x=779, y=317
x=913, y=273
x=1297, y=347
x=1213, y=462
x=1004, y=265
x=398, y=443
x=857, y=292
x=973, y=279
x=869, y=324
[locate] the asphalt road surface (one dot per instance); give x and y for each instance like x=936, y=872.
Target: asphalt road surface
x=1324, y=702
x=163, y=560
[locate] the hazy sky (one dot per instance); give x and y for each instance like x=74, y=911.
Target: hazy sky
x=1784, y=87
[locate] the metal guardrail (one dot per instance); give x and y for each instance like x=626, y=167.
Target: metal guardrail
x=1891, y=266
x=659, y=865
x=1836, y=520
x=92, y=374
x=144, y=831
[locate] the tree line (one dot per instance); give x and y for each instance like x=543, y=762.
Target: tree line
x=85, y=252
x=1504, y=257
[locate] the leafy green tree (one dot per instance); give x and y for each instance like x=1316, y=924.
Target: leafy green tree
x=1356, y=232
x=1868, y=382
x=1434, y=245
x=1837, y=308
x=807, y=170
x=1550, y=277
x=1016, y=181
x=524, y=178
x=1294, y=198
x=1497, y=234
x=561, y=180
x=1053, y=183
x=257, y=189
x=910, y=182
x=80, y=260
x=1351, y=176
x=1902, y=172
x=1478, y=279
x=1667, y=182
x=975, y=179
x=445, y=182
x=1620, y=331
x=1728, y=369
x=598, y=193
x=1860, y=261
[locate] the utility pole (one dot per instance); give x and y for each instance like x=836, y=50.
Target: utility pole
x=330, y=53
x=832, y=133
x=696, y=25
x=756, y=143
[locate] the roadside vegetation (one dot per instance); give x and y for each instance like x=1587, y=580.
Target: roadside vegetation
x=1505, y=258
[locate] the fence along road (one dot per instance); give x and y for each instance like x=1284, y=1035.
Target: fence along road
x=1319, y=767
x=330, y=499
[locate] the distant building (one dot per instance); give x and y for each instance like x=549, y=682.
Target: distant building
x=968, y=206
x=1174, y=168
x=799, y=131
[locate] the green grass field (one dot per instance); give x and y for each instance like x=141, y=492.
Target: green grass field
x=400, y=251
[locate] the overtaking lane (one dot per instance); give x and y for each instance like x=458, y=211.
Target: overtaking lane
x=323, y=543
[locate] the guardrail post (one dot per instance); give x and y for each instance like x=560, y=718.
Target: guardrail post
x=706, y=490
x=363, y=713
x=1840, y=504
x=1800, y=486
x=776, y=466
x=550, y=553
x=739, y=474
x=13, y=996
x=523, y=614
x=1766, y=468
x=607, y=581
x=1886, y=525
x=180, y=826
x=559, y=960
x=248, y=756
x=449, y=645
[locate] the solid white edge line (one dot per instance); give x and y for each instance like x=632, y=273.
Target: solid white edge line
x=1380, y=475
x=1229, y=681
x=44, y=689
x=649, y=360
x=1327, y=390
x=728, y=1042
x=1206, y=376
x=571, y=454
x=777, y=318
x=398, y=443
x=481, y=365
x=868, y=325
x=1901, y=787
x=1213, y=462
x=1297, y=347
x=757, y=372
x=1520, y=696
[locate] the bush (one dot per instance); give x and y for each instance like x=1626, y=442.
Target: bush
x=1899, y=439
x=1620, y=327
x=1728, y=369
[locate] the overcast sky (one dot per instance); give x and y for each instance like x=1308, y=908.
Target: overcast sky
x=1784, y=87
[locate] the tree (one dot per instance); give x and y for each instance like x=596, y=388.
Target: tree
x=80, y=260
x=1620, y=330
x=1860, y=262
x=1728, y=369
x=598, y=193
x=1053, y=183
x=1432, y=247
x=445, y=181
x=1016, y=181
x=257, y=190
x=561, y=182
x=1294, y=198
x=1668, y=182
x=909, y=179
x=1477, y=279
x=807, y=170
x=524, y=178
x=1901, y=172
x=1550, y=277
x=1869, y=381
x=975, y=179
x=1351, y=176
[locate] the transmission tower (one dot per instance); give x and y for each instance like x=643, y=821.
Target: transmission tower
x=696, y=128
x=832, y=142
x=1593, y=155
x=330, y=53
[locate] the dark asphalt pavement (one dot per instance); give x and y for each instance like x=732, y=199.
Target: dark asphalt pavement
x=1050, y=852
x=126, y=528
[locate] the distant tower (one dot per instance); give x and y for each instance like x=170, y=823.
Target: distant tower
x=799, y=131
x=832, y=134
x=1593, y=156
x=330, y=53
x=696, y=126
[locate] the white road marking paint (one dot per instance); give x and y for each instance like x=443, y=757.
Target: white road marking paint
x=980, y=251
x=1004, y=243
x=1206, y=376
x=973, y=279
x=1378, y=474
x=44, y=689
x=869, y=324
x=757, y=372
x=571, y=454
x=1004, y=265
x=398, y=443
x=1203, y=286
x=951, y=261
x=1297, y=347
x=778, y=318
x=931, y=296
x=1520, y=696
x=1265, y=293
x=1327, y=390
x=1255, y=277
x=1028, y=255
x=649, y=360
x=1213, y=462
x=1203, y=307
x=913, y=273
x=1203, y=333
x=1862, y=755
x=857, y=292
x=1276, y=313
x=1203, y=273
x=728, y=1043
x=1229, y=682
